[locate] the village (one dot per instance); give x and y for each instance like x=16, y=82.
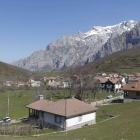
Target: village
x=61, y=104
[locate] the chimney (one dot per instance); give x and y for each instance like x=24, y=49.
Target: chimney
x=41, y=97
x=72, y=96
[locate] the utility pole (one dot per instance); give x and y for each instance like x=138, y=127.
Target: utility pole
x=8, y=104
x=65, y=112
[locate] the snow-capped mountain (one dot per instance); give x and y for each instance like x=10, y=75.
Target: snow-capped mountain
x=71, y=51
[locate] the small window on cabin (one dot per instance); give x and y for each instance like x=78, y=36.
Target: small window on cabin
x=57, y=119
x=79, y=118
x=137, y=93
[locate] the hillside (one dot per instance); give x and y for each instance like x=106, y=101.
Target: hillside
x=123, y=61
x=9, y=72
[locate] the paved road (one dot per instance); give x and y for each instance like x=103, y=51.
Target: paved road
x=105, y=101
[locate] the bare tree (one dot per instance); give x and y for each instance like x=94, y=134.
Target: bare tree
x=81, y=88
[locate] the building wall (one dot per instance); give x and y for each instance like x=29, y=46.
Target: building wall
x=131, y=97
x=117, y=86
x=50, y=118
x=79, y=121
x=133, y=94
x=35, y=83
x=69, y=124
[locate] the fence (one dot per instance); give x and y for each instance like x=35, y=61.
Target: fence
x=7, y=129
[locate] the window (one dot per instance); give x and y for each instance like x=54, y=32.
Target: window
x=137, y=93
x=57, y=119
x=79, y=118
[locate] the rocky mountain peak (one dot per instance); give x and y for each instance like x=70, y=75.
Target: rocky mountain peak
x=71, y=51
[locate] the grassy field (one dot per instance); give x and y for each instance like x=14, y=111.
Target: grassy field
x=17, y=102
x=125, y=126
x=129, y=70
x=100, y=96
x=53, y=73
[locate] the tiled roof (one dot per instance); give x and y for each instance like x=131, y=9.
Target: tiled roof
x=133, y=79
x=103, y=80
x=114, y=81
x=69, y=108
x=40, y=104
x=106, y=75
x=132, y=87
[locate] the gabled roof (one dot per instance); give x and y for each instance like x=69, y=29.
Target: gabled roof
x=102, y=80
x=132, y=87
x=69, y=108
x=114, y=81
x=106, y=75
x=40, y=104
x=134, y=79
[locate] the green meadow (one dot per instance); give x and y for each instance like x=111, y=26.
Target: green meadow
x=125, y=126
x=19, y=99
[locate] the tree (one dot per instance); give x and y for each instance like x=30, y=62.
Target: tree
x=81, y=88
x=83, y=85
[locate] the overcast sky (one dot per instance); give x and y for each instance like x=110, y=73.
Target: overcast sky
x=30, y=25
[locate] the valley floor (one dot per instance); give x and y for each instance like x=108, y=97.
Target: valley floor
x=19, y=99
x=125, y=126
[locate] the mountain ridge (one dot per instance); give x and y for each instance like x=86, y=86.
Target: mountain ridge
x=72, y=51
x=125, y=61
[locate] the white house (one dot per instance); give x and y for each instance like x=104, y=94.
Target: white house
x=31, y=79
x=116, y=83
x=8, y=83
x=65, y=114
x=103, y=74
x=64, y=84
x=35, y=83
x=112, y=84
x=19, y=84
x=54, y=84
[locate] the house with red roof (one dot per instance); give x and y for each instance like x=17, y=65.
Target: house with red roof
x=132, y=92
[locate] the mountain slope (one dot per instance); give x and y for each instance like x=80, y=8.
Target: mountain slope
x=125, y=61
x=126, y=40
x=9, y=72
x=71, y=51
